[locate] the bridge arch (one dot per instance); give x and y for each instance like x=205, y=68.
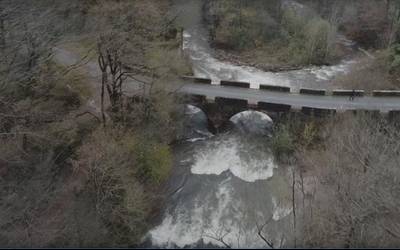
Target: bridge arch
x=191, y=109
x=196, y=122
x=252, y=121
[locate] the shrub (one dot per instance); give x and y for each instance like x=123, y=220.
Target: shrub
x=394, y=59
x=154, y=161
x=282, y=142
x=368, y=74
x=311, y=41
x=108, y=158
x=294, y=38
x=319, y=41
x=167, y=62
x=242, y=25
x=292, y=22
x=310, y=134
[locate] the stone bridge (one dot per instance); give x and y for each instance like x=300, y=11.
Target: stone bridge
x=227, y=98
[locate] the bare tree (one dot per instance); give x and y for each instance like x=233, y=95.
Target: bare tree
x=219, y=237
x=260, y=229
x=357, y=198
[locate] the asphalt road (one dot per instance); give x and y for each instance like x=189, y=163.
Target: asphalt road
x=340, y=103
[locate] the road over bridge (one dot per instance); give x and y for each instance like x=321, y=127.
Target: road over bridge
x=337, y=100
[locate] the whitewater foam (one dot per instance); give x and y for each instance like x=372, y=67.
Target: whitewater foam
x=191, y=110
x=249, y=114
x=280, y=210
x=226, y=155
x=197, y=139
x=207, y=220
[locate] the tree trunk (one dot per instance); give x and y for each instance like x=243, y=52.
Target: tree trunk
x=2, y=34
x=294, y=206
x=24, y=142
x=103, y=82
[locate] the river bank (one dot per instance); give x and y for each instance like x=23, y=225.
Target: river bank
x=249, y=59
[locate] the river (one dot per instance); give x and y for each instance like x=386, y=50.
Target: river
x=227, y=186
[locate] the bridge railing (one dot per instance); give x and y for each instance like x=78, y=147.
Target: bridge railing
x=235, y=84
x=386, y=93
x=304, y=91
x=313, y=91
x=197, y=79
x=345, y=92
x=274, y=88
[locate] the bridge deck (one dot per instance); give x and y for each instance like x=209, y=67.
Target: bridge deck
x=339, y=103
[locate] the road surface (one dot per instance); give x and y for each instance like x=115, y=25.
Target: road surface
x=340, y=103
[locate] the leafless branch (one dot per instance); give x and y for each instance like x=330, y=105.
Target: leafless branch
x=261, y=228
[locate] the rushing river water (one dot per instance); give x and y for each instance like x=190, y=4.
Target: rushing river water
x=226, y=186
x=205, y=65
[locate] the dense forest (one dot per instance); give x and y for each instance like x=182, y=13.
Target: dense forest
x=278, y=35
x=71, y=176
x=85, y=164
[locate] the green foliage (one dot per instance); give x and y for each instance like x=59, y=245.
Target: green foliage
x=167, y=62
x=154, y=161
x=52, y=91
x=293, y=23
x=255, y=28
x=295, y=132
x=119, y=199
x=394, y=57
x=243, y=25
x=320, y=40
x=311, y=41
x=122, y=168
x=310, y=134
x=282, y=142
